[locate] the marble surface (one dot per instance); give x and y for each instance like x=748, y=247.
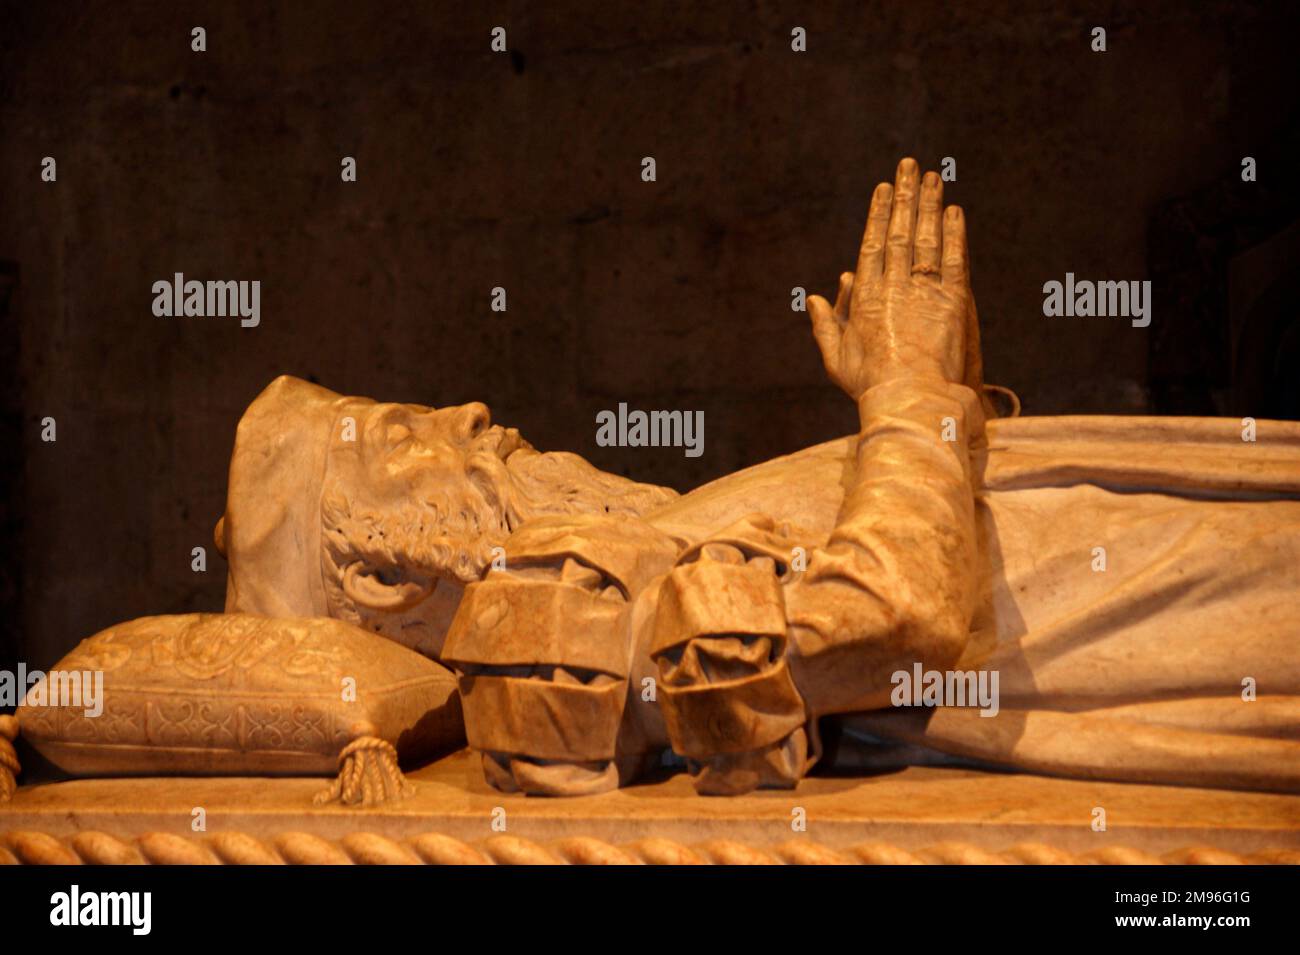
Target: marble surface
x=911, y=810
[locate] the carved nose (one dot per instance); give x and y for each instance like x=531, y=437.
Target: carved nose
x=471, y=420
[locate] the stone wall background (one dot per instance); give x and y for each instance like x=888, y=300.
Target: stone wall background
x=522, y=170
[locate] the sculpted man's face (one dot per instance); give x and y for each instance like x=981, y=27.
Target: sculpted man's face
x=411, y=510
x=415, y=504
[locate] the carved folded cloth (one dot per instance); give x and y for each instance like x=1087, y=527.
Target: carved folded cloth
x=1136, y=636
x=1137, y=596
x=728, y=698
x=236, y=694
x=1140, y=604
x=543, y=650
x=270, y=532
x=1202, y=456
x=720, y=644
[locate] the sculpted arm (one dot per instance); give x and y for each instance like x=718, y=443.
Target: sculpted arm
x=895, y=583
x=556, y=651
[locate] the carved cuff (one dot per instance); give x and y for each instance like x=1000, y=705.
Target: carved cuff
x=543, y=719
x=543, y=648
x=510, y=621
x=720, y=646
x=542, y=667
x=732, y=717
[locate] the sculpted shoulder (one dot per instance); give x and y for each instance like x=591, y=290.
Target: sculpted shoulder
x=804, y=489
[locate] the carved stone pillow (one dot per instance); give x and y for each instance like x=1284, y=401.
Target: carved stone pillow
x=237, y=694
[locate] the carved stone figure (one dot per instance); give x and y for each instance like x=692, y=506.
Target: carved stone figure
x=1118, y=594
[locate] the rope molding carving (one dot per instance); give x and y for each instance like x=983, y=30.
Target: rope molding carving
x=9, y=768
x=25, y=847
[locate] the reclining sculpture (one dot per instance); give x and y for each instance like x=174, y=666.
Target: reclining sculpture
x=1131, y=581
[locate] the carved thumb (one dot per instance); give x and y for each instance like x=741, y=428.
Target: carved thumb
x=826, y=329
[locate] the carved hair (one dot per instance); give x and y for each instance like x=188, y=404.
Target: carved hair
x=453, y=534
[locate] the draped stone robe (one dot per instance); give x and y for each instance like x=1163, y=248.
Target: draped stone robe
x=1140, y=671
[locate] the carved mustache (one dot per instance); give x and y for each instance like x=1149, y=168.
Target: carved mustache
x=450, y=536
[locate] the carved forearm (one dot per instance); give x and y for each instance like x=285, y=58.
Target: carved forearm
x=751, y=647
x=895, y=584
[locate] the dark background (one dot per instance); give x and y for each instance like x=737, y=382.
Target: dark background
x=522, y=170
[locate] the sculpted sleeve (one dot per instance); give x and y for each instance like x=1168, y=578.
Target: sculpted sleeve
x=543, y=656
x=752, y=648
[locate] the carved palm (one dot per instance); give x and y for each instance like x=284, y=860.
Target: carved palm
x=908, y=310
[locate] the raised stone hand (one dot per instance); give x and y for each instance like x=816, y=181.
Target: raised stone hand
x=908, y=310
x=551, y=650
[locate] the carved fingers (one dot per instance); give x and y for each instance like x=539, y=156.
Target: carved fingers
x=956, y=277
x=844, y=296
x=956, y=260
x=909, y=233
x=871, y=256
x=827, y=329
x=902, y=221
x=904, y=311
x=828, y=323
x=929, y=230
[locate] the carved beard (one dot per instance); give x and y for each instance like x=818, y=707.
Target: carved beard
x=452, y=535
x=448, y=536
